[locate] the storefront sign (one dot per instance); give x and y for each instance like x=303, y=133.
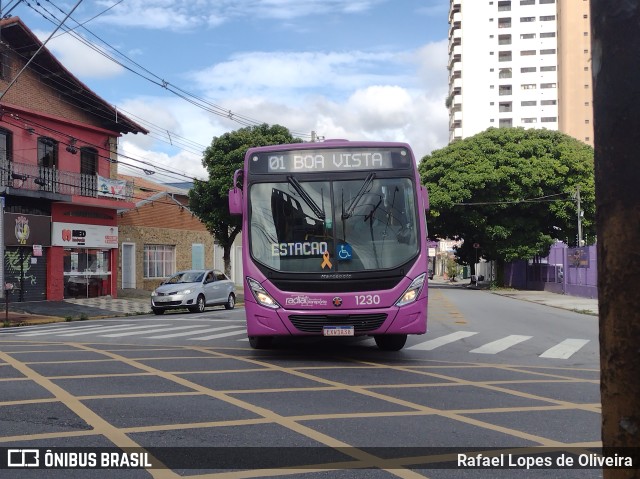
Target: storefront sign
x=86, y=236
x=26, y=230
x=112, y=188
x=37, y=250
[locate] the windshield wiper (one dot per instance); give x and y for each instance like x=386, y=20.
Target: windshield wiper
x=358, y=197
x=305, y=197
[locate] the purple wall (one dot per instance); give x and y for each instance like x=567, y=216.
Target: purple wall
x=571, y=271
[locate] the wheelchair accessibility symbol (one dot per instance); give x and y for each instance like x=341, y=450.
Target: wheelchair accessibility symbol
x=344, y=253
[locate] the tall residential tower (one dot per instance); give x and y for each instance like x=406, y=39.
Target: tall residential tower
x=520, y=63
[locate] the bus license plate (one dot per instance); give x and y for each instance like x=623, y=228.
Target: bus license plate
x=337, y=331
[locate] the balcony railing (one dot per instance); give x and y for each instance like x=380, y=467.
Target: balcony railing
x=26, y=176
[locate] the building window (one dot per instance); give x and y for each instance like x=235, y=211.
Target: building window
x=88, y=161
x=549, y=119
x=548, y=51
x=586, y=122
x=5, y=66
x=527, y=69
x=504, y=6
x=528, y=86
x=504, y=39
x=5, y=149
x=542, y=2
x=504, y=22
x=548, y=69
x=528, y=103
x=527, y=19
x=548, y=102
x=159, y=261
x=47, y=152
x=529, y=120
x=548, y=35
x=504, y=56
x=505, y=107
x=505, y=73
x=504, y=90
x=547, y=18
x=505, y=122
x=547, y=85
x=527, y=36
x=586, y=34
x=525, y=53
x=527, y=2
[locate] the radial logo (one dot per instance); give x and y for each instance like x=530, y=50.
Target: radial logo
x=337, y=301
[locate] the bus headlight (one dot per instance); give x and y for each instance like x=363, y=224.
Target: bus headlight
x=413, y=291
x=260, y=294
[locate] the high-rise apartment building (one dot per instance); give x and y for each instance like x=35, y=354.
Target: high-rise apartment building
x=520, y=63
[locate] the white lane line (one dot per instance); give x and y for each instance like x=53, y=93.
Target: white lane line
x=442, y=340
x=565, y=349
x=92, y=327
x=198, y=331
x=221, y=335
x=148, y=331
x=500, y=345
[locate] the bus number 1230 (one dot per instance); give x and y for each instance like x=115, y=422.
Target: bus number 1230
x=367, y=299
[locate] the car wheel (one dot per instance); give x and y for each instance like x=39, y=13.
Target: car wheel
x=200, y=305
x=231, y=302
x=157, y=311
x=260, y=342
x=390, y=342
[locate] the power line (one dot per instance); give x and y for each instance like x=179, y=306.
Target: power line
x=15, y=79
x=195, y=100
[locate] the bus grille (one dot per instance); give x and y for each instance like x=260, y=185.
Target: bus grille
x=313, y=323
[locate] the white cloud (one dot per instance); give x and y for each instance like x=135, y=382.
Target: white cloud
x=181, y=15
x=338, y=95
x=78, y=57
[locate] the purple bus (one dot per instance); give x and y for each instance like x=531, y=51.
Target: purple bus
x=334, y=241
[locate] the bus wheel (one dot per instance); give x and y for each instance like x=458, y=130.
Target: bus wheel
x=390, y=342
x=260, y=342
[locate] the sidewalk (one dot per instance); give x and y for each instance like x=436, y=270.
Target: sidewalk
x=562, y=301
x=135, y=302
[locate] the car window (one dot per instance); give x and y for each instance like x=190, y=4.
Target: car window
x=220, y=276
x=209, y=277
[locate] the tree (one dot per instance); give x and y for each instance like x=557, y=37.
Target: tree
x=616, y=75
x=209, y=200
x=510, y=190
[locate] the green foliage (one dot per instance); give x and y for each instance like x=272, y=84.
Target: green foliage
x=511, y=190
x=209, y=200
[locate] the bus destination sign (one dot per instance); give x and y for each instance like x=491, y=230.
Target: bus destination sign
x=325, y=160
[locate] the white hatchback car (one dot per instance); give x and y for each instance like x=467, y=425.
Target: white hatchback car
x=194, y=290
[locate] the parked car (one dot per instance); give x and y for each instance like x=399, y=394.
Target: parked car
x=194, y=290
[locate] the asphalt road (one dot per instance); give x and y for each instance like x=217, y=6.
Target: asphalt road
x=491, y=372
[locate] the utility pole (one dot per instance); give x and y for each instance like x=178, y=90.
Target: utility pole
x=579, y=217
x=615, y=44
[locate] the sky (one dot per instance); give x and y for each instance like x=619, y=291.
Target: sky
x=192, y=70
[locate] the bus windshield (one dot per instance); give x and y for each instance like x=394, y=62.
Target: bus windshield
x=349, y=225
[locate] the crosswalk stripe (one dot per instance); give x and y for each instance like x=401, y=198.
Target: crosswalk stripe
x=107, y=329
x=197, y=331
x=92, y=327
x=221, y=335
x=441, y=341
x=500, y=345
x=565, y=349
x=149, y=331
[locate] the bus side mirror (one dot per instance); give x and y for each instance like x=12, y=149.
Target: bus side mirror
x=235, y=194
x=235, y=201
x=425, y=197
